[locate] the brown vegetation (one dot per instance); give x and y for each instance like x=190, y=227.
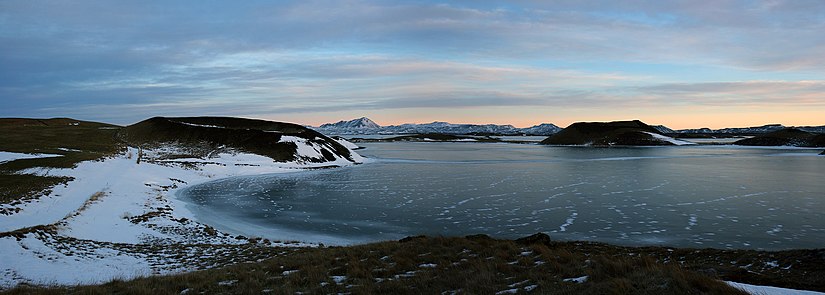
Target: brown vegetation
x=471, y=265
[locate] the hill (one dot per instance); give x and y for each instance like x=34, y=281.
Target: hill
x=203, y=136
x=67, y=141
x=631, y=133
x=785, y=137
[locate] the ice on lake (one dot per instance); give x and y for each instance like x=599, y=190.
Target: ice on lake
x=694, y=196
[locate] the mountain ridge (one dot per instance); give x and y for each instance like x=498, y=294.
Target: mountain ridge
x=785, y=137
x=364, y=125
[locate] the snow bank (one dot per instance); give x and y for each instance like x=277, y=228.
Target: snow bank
x=9, y=156
x=669, y=139
x=34, y=260
x=767, y=290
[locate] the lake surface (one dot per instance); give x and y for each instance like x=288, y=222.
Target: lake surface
x=688, y=196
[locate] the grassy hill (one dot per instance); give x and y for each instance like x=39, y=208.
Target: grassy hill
x=785, y=137
x=74, y=140
x=200, y=136
x=606, y=134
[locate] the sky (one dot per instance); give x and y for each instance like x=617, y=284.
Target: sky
x=684, y=64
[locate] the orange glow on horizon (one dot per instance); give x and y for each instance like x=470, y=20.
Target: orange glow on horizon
x=518, y=117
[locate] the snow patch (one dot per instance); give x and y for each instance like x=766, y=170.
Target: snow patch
x=9, y=156
x=568, y=222
x=338, y=279
x=579, y=280
x=69, y=150
x=767, y=290
x=669, y=139
x=347, y=144
x=33, y=261
x=199, y=125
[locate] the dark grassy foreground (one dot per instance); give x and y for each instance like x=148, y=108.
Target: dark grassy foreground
x=75, y=140
x=481, y=265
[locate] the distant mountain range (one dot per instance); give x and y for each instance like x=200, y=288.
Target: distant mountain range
x=754, y=130
x=364, y=125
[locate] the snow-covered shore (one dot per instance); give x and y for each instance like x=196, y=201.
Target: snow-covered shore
x=93, y=228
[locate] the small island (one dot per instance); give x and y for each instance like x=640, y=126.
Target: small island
x=617, y=133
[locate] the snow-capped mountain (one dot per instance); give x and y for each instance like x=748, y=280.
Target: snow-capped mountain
x=360, y=123
x=366, y=126
x=449, y=128
x=541, y=129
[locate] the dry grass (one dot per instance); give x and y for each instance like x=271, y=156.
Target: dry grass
x=424, y=266
x=84, y=141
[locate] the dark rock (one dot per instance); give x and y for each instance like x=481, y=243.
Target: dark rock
x=538, y=238
x=822, y=153
x=412, y=239
x=478, y=237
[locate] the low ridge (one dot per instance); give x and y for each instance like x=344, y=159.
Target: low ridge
x=785, y=137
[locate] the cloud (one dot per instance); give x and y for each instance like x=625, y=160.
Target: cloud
x=752, y=93
x=194, y=57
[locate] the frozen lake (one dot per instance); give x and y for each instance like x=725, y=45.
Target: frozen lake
x=689, y=196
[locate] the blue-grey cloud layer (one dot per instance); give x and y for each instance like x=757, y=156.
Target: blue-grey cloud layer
x=122, y=61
